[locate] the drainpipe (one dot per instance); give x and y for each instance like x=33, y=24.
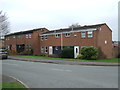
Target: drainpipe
x=61, y=41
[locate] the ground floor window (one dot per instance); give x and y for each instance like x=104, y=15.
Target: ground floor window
x=20, y=48
x=46, y=49
x=42, y=49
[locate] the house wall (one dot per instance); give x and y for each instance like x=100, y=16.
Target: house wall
x=104, y=41
x=34, y=41
x=69, y=41
x=1, y=43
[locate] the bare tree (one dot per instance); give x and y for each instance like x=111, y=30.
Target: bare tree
x=4, y=24
x=74, y=25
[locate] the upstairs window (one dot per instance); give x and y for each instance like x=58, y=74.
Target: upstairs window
x=18, y=36
x=57, y=35
x=45, y=37
x=90, y=34
x=42, y=38
x=83, y=34
x=7, y=38
x=13, y=36
x=67, y=35
x=28, y=35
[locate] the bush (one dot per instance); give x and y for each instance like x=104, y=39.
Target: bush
x=79, y=56
x=27, y=52
x=89, y=53
x=67, y=53
x=119, y=55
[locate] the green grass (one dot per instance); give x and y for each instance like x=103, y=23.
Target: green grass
x=114, y=60
x=0, y=86
x=13, y=85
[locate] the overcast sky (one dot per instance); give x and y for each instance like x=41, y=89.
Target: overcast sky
x=56, y=14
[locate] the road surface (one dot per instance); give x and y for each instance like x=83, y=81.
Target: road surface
x=47, y=75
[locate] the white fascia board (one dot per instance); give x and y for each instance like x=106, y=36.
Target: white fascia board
x=72, y=31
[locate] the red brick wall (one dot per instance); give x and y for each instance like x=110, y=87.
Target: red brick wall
x=105, y=34
x=1, y=43
x=34, y=40
x=69, y=41
x=98, y=40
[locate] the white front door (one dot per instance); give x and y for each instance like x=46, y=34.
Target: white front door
x=76, y=51
x=50, y=50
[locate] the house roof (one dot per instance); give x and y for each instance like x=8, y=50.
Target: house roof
x=25, y=32
x=82, y=28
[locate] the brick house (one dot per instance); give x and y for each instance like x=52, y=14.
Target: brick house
x=1, y=41
x=100, y=36
x=24, y=41
x=45, y=42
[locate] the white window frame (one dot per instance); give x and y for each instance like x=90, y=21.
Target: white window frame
x=42, y=49
x=57, y=35
x=45, y=37
x=42, y=38
x=30, y=36
x=30, y=45
x=83, y=34
x=14, y=36
x=90, y=34
x=46, y=49
x=67, y=34
x=27, y=36
x=19, y=36
x=7, y=38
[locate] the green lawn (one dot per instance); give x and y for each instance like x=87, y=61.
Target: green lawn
x=114, y=60
x=12, y=85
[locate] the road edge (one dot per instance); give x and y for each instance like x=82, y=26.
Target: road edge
x=89, y=64
x=19, y=81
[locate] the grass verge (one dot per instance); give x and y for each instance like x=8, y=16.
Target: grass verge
x=114, y=60
x=13, y=85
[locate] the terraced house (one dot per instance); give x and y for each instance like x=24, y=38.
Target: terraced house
x=24, y=42
x=52, y=42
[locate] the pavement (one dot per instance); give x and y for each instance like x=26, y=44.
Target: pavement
x=64, y=62
x=8, y=79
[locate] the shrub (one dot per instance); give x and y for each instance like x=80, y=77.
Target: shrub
x=27, y=52
x=79, y=56
x=89, y=53
x=67, y=53
x=119, y=55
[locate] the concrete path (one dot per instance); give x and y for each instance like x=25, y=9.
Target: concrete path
x=8, y=79
x=64, y=62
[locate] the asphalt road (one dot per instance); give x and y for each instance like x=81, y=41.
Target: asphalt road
x=47, y=75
